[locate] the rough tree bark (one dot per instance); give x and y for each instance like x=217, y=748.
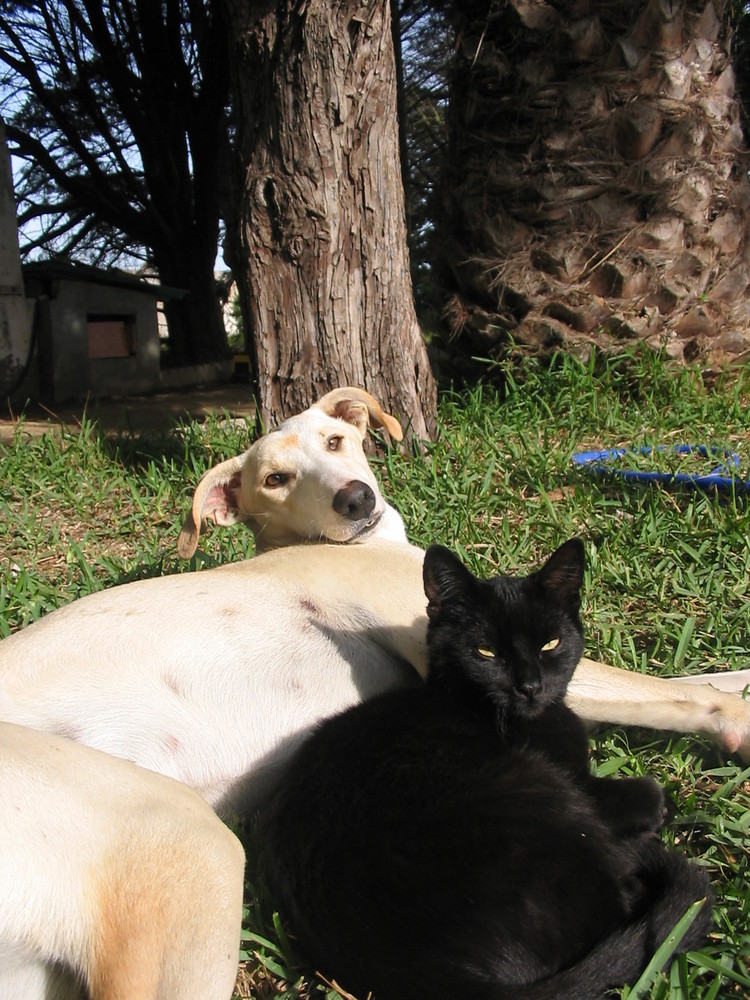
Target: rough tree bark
x=597, y=191
x=324, y=272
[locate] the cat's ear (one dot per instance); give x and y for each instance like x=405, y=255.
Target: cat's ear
x=562, y=574
x=445, y=578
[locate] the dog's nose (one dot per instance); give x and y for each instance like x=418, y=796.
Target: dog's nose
x=355, y=501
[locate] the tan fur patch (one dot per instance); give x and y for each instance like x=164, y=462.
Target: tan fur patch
x=132, y=928
x=167, y=903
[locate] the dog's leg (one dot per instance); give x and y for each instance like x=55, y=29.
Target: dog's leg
x=736, y=681
x=26, y=977
x=600, y=693
x=168, y=918
x=116, y=883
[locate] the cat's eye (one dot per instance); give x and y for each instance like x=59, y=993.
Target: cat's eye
x=486, y=652
x=549, y=646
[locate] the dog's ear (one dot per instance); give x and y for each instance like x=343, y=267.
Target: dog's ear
x=216, y=499
x=359, y=408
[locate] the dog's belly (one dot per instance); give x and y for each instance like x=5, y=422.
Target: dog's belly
x=214, y=732
x=227, y=690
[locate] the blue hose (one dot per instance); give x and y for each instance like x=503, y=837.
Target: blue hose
x=720, y=477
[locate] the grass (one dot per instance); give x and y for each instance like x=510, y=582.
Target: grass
x=667, y=585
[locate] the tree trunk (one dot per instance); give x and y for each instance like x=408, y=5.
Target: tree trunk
x=190, y=198
x=324, y=279
x=597, y=188
x=194, y=320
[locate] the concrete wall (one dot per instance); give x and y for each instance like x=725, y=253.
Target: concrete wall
x=64, y=308
x=15, y=311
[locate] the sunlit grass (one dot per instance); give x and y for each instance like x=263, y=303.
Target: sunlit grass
x=667, y=584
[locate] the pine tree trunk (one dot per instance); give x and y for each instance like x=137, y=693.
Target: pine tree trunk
x=597, y=190
x=194, y=320
x=324, y=272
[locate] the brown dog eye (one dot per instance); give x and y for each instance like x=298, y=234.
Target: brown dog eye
x=334, y=442
x=276, y=479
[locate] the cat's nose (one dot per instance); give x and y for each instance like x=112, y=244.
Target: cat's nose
x=529, y=688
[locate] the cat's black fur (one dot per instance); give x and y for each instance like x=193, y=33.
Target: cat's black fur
x=450, y=841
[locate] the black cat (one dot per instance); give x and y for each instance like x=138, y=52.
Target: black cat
x=450, y=841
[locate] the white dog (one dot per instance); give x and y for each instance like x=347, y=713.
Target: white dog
x=115, y=883
x=306, y=481
x=212, y=677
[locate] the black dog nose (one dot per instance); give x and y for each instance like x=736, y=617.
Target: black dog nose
x=355, y=501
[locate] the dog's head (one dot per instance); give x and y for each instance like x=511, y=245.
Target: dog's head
x=308, y=480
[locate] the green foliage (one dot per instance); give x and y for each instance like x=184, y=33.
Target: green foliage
x=667, y=586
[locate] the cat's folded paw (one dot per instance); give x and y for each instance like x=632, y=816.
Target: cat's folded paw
x=650, y=806
x=631, y=805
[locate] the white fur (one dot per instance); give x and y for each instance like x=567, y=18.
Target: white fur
x=257, y=652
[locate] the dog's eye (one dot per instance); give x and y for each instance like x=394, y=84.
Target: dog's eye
x=334, y=442
x=486, y=652
x=275, y=479
x=549, y=646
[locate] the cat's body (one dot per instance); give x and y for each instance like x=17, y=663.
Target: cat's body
x=450, y=841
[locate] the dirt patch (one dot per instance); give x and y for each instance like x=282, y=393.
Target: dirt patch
x=132, y=414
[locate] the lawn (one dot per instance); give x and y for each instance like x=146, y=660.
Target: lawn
x=667, y=585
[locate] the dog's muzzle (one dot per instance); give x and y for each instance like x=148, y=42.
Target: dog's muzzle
x=355, y=501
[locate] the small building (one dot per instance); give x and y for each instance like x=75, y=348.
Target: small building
x=96, y=331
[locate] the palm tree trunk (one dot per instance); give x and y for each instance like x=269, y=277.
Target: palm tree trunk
x=597, y=187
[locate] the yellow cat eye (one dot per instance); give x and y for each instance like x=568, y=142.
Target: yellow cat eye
x=486, y=652
x=549, y=646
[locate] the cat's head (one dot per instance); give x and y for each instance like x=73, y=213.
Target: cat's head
x=516, y=640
